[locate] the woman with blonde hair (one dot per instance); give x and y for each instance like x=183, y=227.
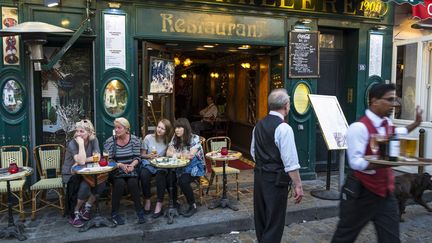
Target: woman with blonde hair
x=79, y=151
x=155, y=145
x=124, y=149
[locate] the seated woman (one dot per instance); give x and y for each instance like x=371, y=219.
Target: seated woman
x=155, y=145
x=79, y=151
x=124, y=149
x=189, y=145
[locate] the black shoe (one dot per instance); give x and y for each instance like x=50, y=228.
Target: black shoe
x=157, y=215
x=190, y=211
x=146, y=212
x=141, y=218
x=117, y=219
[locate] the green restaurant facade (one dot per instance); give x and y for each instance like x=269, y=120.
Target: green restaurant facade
x=111, y=51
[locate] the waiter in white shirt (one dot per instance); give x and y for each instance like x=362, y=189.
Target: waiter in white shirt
x=367, y=194
x=276, y=164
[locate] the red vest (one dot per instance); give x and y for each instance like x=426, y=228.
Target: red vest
x=382, y=182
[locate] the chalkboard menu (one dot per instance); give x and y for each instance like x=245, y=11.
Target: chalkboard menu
x=303, y=54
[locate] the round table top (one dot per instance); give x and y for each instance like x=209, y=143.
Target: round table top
x=216, y=155
x=97, y=169
x=23, y=172
x=166, y=162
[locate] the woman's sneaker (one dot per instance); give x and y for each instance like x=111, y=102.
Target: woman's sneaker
x=85, y=213
x=76, y=221
x=117, y=219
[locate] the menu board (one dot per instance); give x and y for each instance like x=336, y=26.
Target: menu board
x=303, y=54
x=331, y=119
x=115, y=41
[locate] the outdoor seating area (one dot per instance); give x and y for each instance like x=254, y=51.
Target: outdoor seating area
x=47, y=193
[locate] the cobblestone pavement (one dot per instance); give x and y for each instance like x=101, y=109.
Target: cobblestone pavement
x=416, y=228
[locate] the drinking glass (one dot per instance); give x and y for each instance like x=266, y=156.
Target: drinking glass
x=373, y=143
x=153, y=150
x=224, y=151
x=95, y=157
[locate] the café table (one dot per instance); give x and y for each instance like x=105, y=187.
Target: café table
x=170, y=164
x=94, y=170
x=15, y=230
x=217, y=156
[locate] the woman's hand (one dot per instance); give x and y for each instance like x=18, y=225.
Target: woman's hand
x=129, y=168
x=123, y=167
x=79, y=140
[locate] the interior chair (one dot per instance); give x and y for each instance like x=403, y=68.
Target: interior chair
x=49, y=159
x=14, y=154
x=215, y=144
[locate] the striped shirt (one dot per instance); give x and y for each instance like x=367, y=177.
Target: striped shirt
x=124, y=154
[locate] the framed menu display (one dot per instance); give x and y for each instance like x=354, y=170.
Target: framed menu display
x=115, y=41
x=303, y=54
x=331, y=119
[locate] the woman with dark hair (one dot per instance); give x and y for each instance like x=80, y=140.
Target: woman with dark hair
x=187, y=144
x=124, y=149
x=155, y=145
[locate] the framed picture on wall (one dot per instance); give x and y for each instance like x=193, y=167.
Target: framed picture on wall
x=161, y=75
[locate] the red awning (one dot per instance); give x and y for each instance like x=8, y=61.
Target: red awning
x=423, y=11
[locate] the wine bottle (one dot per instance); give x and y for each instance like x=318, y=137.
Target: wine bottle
x=393, y=146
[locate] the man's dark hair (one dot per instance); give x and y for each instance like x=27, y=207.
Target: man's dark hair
x=379, y=90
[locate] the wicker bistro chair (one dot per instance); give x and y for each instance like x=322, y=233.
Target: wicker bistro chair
x=215, y=144
x=14, y=154
x=48, y=157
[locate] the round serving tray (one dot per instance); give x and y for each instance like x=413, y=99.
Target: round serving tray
x=402, y=161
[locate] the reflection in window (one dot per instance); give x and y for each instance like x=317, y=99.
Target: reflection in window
x=115, y=97
x=66, y=91
x=406, y=70
x=12, y=96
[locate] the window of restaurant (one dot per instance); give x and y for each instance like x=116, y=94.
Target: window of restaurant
x=406, y=76
x=66, y=93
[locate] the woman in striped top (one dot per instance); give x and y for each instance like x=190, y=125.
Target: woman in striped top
x=124, y=148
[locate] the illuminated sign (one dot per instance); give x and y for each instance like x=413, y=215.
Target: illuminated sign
x=363, y=8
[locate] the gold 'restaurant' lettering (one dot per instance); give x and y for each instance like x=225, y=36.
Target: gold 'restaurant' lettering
x=173, y=24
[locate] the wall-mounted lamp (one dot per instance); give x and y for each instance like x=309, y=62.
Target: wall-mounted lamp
x=34, y=35
x=214, y=75
x=300, y=25
x=423, y=24
x=176, y=61
x=245, y=65
x=187, y=62
x=114, y=5
x=51, y=3
x=184, y=75
x=379, y=27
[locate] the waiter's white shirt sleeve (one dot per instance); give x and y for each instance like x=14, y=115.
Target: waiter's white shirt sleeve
x=358, y=139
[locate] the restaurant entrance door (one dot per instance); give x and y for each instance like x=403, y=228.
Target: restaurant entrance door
x=329, y=83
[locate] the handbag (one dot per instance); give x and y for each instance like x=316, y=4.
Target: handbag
x=119, y=173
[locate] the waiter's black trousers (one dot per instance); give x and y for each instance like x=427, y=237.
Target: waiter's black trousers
x=270, y=204
x=354, y=214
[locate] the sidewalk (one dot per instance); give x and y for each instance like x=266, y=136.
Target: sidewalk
x=49, y=226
